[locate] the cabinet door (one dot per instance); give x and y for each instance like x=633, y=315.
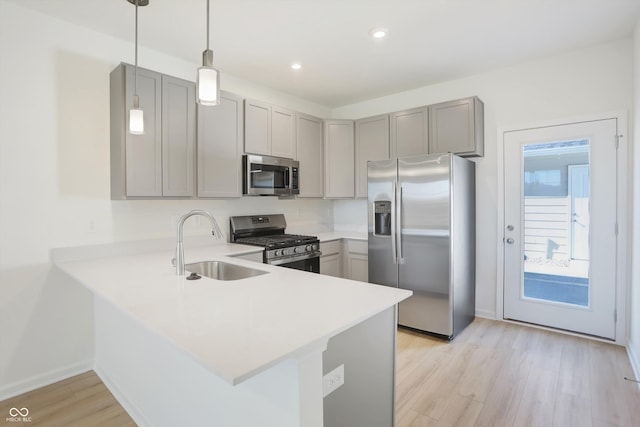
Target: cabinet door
x=220, y=148
x=358, y=267
x=257, y=127
x=372, y=143
x=143, y=153
x=331, y=259
x=457, y=127
x=409, y=132
x=178, y=136
x=339, y=159
x=283, y=133
x=330, y=265
x=309, y=150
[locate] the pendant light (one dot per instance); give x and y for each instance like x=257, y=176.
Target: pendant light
x=208, y=78
x=136, y=116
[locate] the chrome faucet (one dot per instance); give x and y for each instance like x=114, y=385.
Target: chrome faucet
x=179, y=246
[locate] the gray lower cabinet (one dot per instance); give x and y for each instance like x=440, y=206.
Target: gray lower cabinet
x=356, y=260
x=309, y=153
x=457, y=127
x=367, y=351
x=160, y=162
x=331, y=258
x=219, y=148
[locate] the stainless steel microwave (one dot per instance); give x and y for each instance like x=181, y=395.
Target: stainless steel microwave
x=269, y=176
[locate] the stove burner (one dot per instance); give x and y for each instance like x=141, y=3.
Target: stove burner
x=277, y=240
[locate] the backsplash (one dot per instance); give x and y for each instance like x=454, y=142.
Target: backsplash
x=151, y=219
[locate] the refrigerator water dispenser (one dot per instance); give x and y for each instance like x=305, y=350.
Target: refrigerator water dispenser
x=382, y=214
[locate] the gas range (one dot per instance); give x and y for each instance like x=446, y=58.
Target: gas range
x=268, y=231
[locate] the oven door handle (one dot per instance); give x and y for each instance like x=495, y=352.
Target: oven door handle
x=294, y=258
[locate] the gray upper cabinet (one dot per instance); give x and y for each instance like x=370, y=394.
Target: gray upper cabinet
x=457, y=127
x=178, y=136
x=339, y=177
x=372, y=143
x=269, y=130
x=409, y=132
x=219, y=148
x=159, y=162
x=283, y=132
x=309, y=153
x=257, y=127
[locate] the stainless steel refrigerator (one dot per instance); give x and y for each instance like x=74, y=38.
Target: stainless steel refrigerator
x=421, y=214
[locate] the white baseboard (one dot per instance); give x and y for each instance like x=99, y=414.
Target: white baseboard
x=136, y=415
x=487, y=314
x=633, y=359
x=23, y=386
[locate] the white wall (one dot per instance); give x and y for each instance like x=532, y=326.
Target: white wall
x=634, y=328
x=54, y=185
x=577, y=83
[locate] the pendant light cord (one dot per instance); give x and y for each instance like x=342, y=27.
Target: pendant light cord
x=207, y=24
x=135, y=78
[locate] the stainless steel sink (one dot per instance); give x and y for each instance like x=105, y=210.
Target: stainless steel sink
x=221, y=270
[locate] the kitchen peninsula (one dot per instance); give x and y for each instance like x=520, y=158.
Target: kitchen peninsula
x=225, y=353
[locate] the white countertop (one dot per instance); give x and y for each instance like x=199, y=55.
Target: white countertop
x=236, y=329
x=336, y=235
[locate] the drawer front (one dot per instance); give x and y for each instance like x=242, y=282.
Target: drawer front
x=331, y=248
x=357, y=246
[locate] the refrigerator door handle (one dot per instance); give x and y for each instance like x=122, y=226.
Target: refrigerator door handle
x=398, y=223
x=394, y=254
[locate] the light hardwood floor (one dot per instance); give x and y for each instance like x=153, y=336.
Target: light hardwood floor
x=493, y=374
x=501, y=374
x=80, y=401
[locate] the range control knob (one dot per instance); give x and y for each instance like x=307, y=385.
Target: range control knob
x=295, y=250
x=276, y=252
x=308, y=248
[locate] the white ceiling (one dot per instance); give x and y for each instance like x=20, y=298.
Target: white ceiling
x=429, y=40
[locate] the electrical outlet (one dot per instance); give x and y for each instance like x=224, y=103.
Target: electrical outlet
x=333, y=380
x=91, y=226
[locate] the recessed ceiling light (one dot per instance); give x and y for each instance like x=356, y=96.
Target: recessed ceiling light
x=378, y=33
x=296, y=66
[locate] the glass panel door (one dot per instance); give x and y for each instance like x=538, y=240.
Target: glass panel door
x=560, y=214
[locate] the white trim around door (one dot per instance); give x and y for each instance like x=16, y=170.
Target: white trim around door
x=623, y=216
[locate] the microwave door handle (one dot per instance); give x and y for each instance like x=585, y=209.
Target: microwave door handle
x=255, y=170
x=287, y=179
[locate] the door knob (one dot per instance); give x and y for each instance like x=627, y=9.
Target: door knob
x=510, y=241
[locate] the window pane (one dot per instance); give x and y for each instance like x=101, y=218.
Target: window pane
x=556, y=221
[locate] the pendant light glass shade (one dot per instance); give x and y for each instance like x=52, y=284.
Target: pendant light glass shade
x=136, y=121
x=208, y=84
x=208, y=78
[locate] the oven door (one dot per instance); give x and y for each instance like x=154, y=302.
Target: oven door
x=311, y=264
x=266, y=175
